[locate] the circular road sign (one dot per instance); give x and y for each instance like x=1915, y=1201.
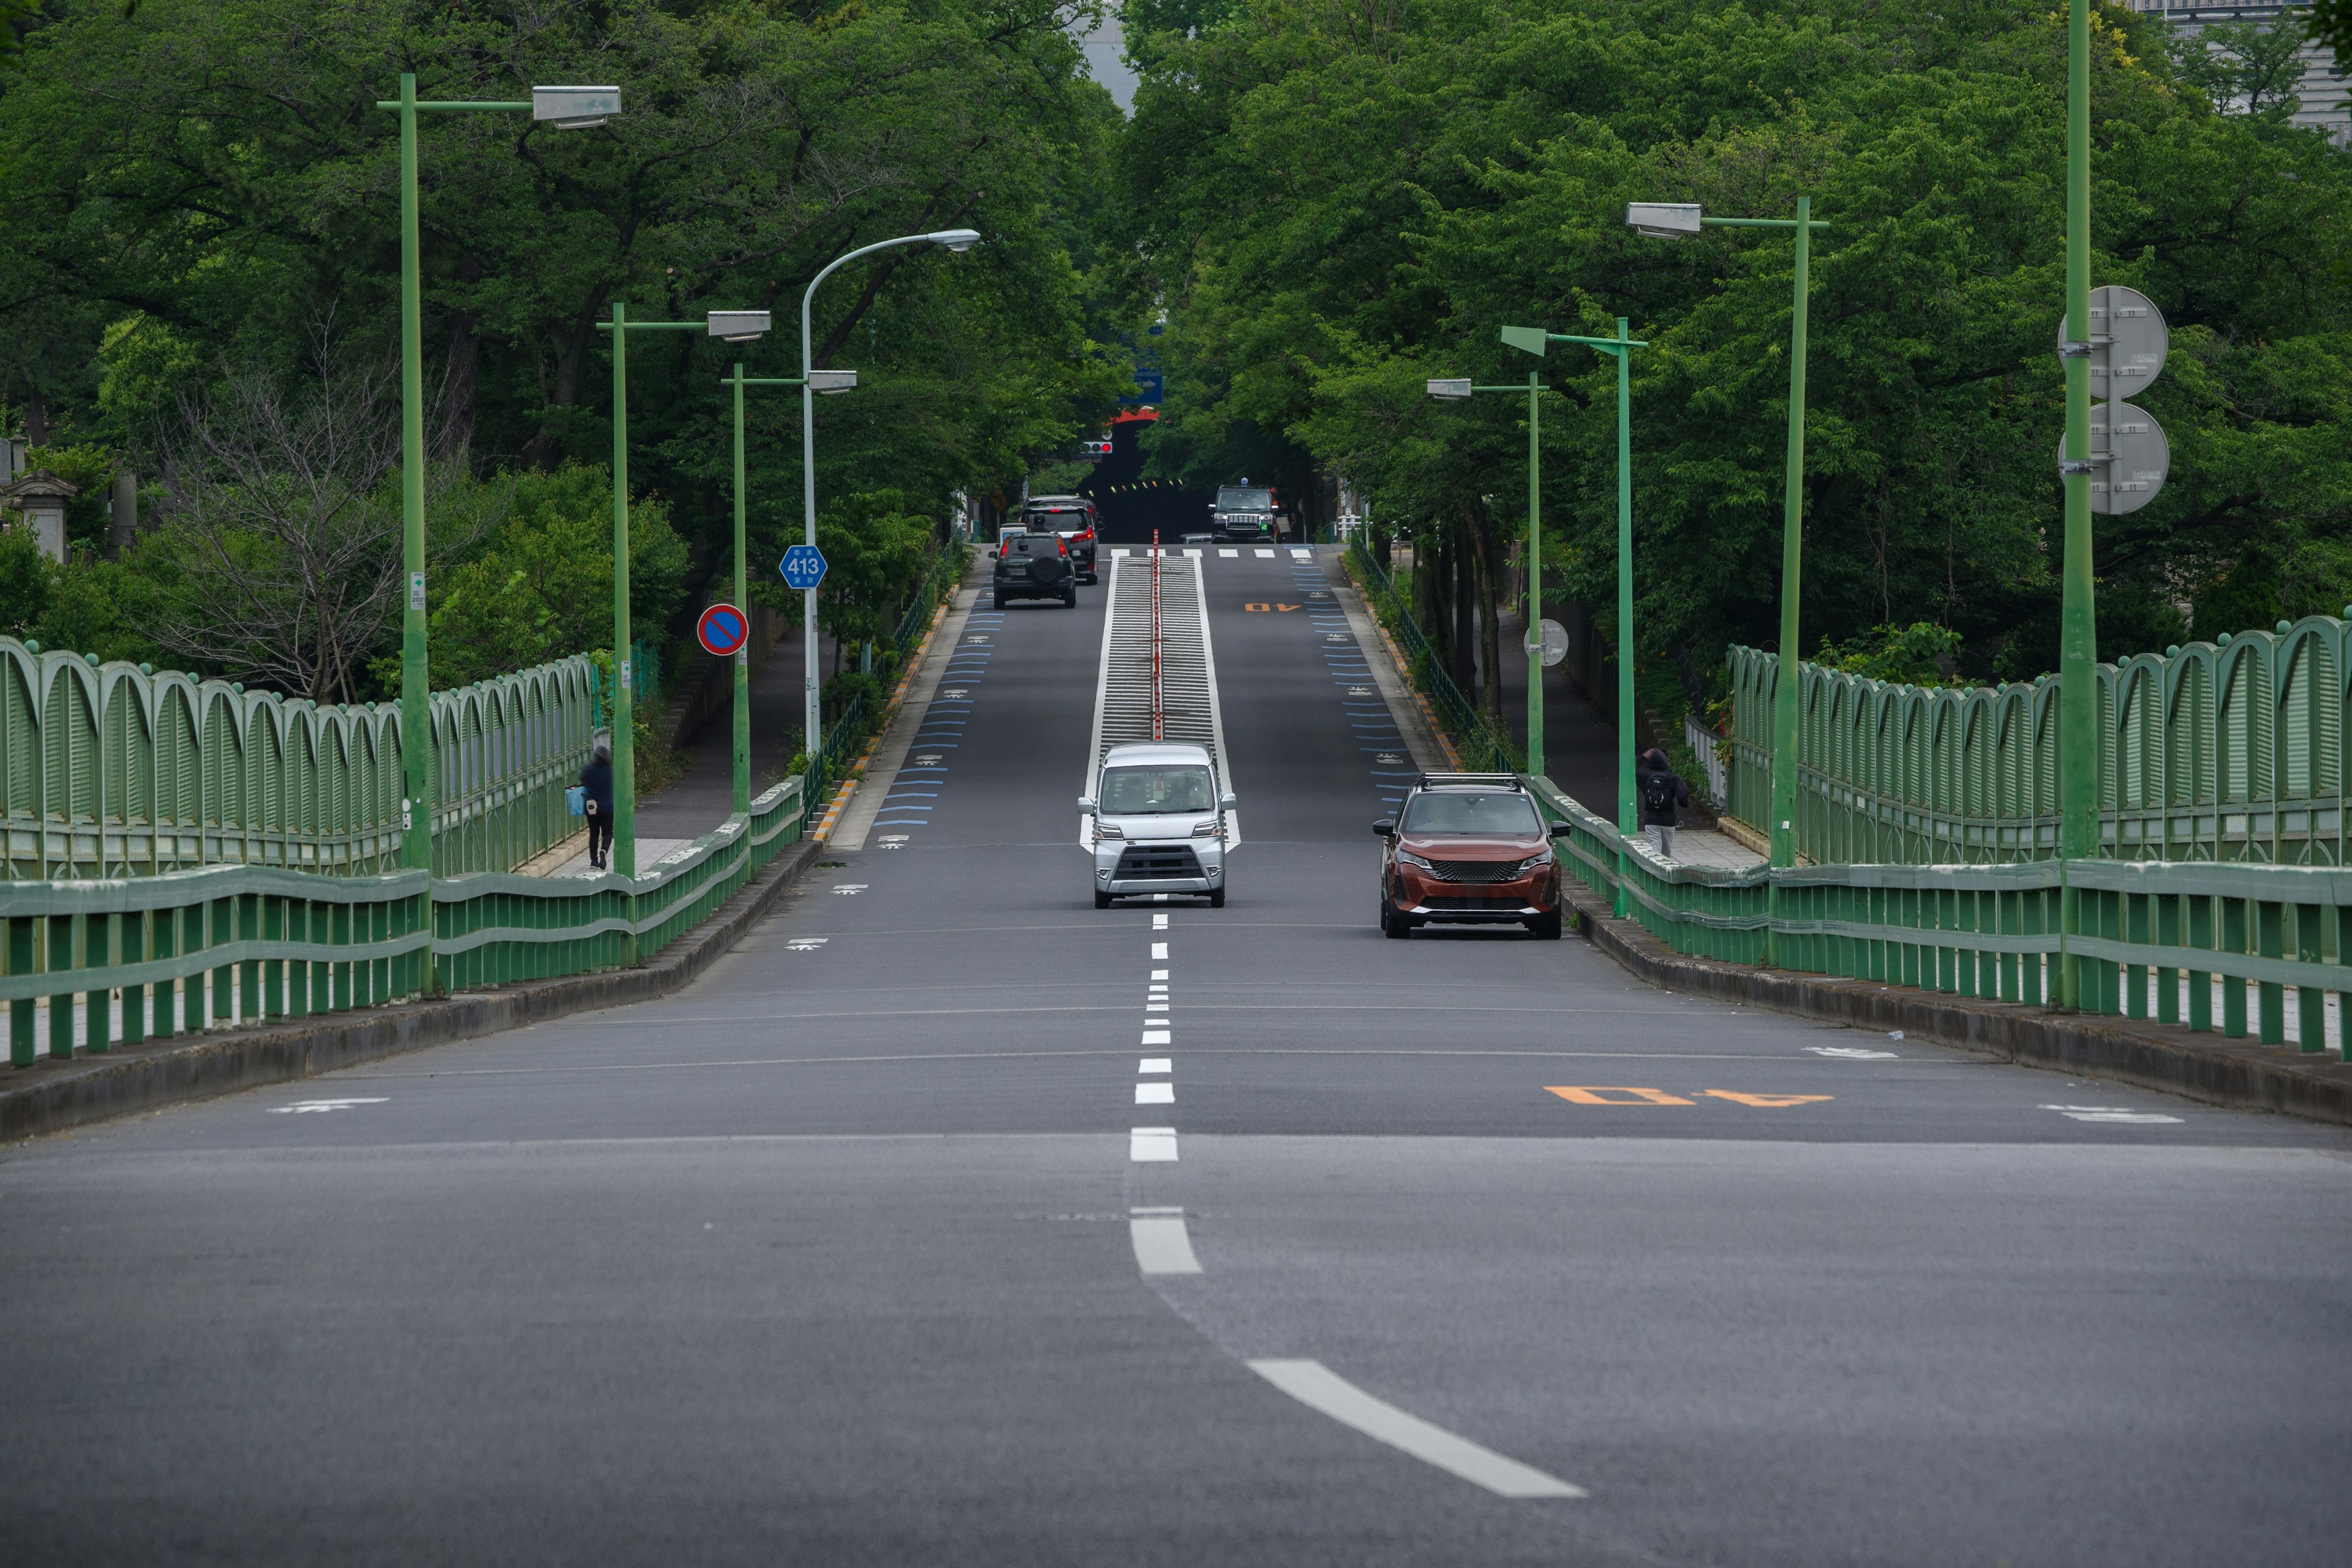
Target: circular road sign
x=2132, y=356
x=1554, y=645
x=2137, y=460
x=723, y=629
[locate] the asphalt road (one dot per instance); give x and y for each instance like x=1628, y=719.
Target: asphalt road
x=835, y=1257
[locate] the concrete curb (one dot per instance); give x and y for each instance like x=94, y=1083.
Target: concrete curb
x=43, y=1099
x=2196, y=1066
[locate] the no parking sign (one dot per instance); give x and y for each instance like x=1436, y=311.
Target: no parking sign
x=723, y=629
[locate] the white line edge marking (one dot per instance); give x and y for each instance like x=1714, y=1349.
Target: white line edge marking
x=1162, y=1246
x=1216, y=708
x=1318, y=1387
x=1146, y=1145
x=1155, y=1094
x=1102, y=692
x=306, y=1105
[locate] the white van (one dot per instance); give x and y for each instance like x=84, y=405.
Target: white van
x=1159, y=823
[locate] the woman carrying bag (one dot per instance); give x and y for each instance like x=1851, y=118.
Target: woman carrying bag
x=596, y=783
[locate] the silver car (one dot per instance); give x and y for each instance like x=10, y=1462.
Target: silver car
x=1158, y=823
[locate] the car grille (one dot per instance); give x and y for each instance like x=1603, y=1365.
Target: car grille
x=1145, y=862
x=1475, y=905
x=1475, y=871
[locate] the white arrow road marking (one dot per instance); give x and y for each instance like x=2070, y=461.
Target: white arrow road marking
x=1317, y=1386
x=300, y=1105
x=1161, y=1244
x=806, y=943
x=2111, y=1113
x=1854, y=1053
x=850, y=889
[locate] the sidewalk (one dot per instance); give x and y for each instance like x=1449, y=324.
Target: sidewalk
x=704, y=796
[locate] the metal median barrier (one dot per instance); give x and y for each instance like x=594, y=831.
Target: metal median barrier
x=92, y=962
x=2237, y=948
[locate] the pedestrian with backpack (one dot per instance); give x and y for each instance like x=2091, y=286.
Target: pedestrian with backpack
x=596, y=779
x=1660, y=790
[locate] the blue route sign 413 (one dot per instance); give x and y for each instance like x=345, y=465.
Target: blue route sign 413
x=804, y=567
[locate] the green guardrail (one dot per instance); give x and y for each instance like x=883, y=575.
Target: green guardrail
x=2210, y=946
x=1482, y=744
x=946, y=570
x=88, y=964
x=2232, y=750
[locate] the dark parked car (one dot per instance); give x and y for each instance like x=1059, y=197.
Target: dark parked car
x=1034, y=566
x=1471, y=849
x=1072, y=517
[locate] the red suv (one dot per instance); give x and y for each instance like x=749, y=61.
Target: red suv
x=1468, y=849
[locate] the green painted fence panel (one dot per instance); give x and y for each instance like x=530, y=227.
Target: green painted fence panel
x=115, y=770
x=2223, y=751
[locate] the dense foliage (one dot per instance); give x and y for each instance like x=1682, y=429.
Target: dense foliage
x=203, y=190
x=1343, y=197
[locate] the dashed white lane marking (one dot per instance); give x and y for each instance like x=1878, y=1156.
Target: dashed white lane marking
x=1161, y=1244
x=1228, y=555
x=1160, y=973
x=1156, y=1064
x=1146, y=1145
x=1263, y=555
x=1853, y=1054
x=2111, y=1113
x=1119, y=550
x=1155, y=1006
x=1300, y=552
x=1317, y=1386
x=302, y=1107
x=1160, y=922
x=1155, y=1094
x=1156, y=1038
x=1160, y=949
x=1193, y=554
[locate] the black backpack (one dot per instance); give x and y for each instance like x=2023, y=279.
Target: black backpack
x=1658, y=792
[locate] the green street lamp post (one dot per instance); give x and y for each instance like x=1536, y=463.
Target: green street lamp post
x=567, y=108
x=739, y=381
x=1454, y=389
x=1674, y=220
x=2078, y=640
x=1534, y=341
x=735, y=327
x=813, y=381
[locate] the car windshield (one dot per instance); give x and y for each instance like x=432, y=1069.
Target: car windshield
x=1486, y=815
x=1055, y=521
x=1149, y=792
x=1244, y=500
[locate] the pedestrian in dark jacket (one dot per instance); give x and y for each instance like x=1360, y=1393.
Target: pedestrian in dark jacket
x=596, y=778
x=1660, y=790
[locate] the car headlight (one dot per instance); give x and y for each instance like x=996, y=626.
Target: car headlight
x=1208, y=830
x=1410, y=858
x=1108, y=830
x=1532, y=861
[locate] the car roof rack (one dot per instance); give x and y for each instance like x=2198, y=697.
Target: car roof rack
x=1497, y=781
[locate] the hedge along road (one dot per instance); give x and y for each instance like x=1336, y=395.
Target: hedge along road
x=839, y=1255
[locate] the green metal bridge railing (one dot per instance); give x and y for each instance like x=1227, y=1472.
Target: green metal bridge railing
x=2230, y=751
x=117, y=770
x=2238, y=947
x=92, y=963
x=1482, y=744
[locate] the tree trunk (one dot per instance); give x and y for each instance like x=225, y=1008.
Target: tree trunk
x=1488, y=558
x=1466, y=658
x=36, y=419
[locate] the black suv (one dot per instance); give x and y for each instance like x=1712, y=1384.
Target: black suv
x=1034, y=566
x=1248, y=513
x=1072, y=517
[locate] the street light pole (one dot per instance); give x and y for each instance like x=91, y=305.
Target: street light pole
x=1454, y=390
x=2078, y=675
x=1534, y=341
x=739, y=381
x=735, y=326
x=1668, y=220
x=957, y=239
